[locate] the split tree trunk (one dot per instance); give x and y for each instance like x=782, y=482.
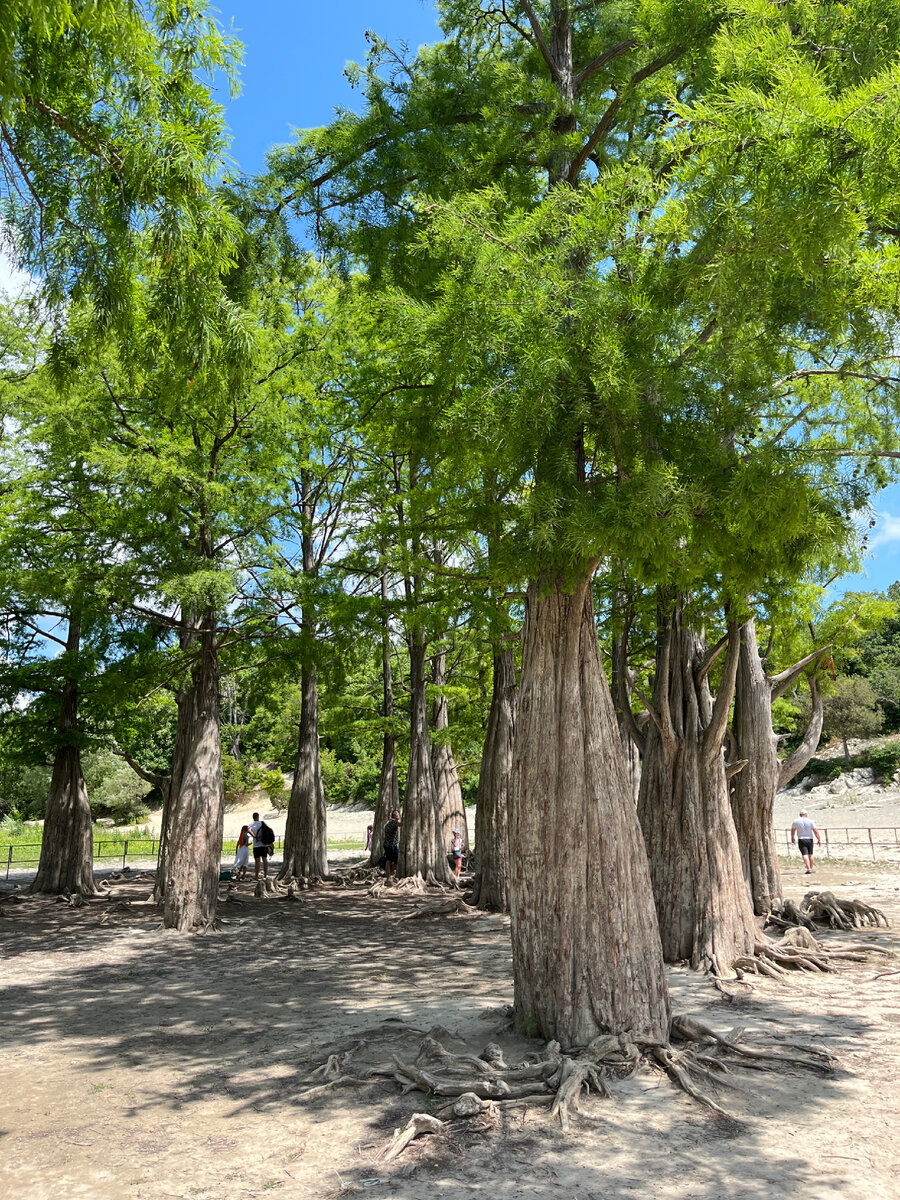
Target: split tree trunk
x=756, y=784
x=420, y=853
x=586, y=951
x=492, y=812
x=67, y=850
x=704, y=909
x=448, y=793
x=196, y=805
x=305, y=834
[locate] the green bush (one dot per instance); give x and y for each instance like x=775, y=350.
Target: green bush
x=884, y=760
x=273, y=786
x=114, y=790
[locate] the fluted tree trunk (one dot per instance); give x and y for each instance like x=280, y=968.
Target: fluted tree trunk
x=196, y=808
x=447, y=790
x=67, y=851
x=305, y=834
x=492, y=811
x=420, y=852
x=586, y=953
x=704, y=908
x=388, y=786
x=758, y=773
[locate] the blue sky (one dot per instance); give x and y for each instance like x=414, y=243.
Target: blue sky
x=294, y=57
x=295, y=52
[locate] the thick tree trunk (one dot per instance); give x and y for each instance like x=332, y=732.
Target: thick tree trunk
x=420, y=853
x=586, y=952
x=447, y=790
x=753, y=788
x=305, y=834
x=197, y=797
x=705, y=914
x=388, y=786
x=492, y=812
x=67, y=850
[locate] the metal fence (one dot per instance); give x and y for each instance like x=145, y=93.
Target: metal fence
x=133, y=848
x=834, y=840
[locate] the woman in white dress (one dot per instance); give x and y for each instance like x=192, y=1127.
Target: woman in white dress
x=242, y=857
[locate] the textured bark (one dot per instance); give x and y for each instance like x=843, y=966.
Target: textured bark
x=67, y=850
x=305, y=833
x=197, y=797
x=492, y=812
x=447, y=790
x=705, y=914
x=754, y=787
x=388, y=786
x=632, y=732
x=586, y=952
x=420, y=853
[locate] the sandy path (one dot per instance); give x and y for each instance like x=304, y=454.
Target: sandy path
x=146, y=1065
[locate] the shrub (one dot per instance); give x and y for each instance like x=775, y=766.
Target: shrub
x=884, y=760
x=273, y=786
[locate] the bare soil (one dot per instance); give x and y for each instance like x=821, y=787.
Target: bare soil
x=144, y=1064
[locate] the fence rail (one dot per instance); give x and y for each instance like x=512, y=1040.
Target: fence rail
x=139, y=848
x=832, y=841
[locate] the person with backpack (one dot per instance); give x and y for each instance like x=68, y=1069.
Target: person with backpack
x=263, y=845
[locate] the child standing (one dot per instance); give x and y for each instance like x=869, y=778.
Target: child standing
x=456, y=852
x=242, y=857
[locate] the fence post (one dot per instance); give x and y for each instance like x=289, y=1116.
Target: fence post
x=872, y=844
x=8, y=862
x=124, y=854
x=827, y=847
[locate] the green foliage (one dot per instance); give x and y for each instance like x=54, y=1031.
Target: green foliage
x=23, y=789
x=114, y=790
x=884, y=760
x=852, y=710
x=273, y=786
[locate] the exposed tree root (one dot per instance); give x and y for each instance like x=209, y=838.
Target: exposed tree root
x=73, y=899
x=456, y=905
x=842, y=914
x=696, y=1058
x=418, y=1124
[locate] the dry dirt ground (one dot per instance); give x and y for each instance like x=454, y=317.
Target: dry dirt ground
x=142, y=1064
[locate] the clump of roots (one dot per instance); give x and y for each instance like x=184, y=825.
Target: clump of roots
x=697, y=1059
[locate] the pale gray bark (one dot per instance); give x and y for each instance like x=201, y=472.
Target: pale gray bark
x=305, y=833
x=67, y=850
x=492, y=812
x=447, y=790
x=586, y=952
x=196, y=808
x=704, y=908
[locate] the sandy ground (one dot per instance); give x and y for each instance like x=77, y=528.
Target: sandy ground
x=145, y=1065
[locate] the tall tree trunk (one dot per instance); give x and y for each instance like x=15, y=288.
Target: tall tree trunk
x=196, y=808
x=388, y=786
x=492, y=812
x=447, y=790
x=305, y=834
x=754, y=786
x=586, y=952
x=420, y=853
x=67, y=850
x=705, y=914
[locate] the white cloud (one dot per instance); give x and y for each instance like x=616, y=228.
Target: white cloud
x=886, y=532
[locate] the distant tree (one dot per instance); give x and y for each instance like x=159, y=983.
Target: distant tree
x=853, y=711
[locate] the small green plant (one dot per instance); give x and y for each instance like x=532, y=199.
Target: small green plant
x=273, y=786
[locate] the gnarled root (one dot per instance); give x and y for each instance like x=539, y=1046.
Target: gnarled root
x=826, y=908
x=418, y=1124
x=786, y=915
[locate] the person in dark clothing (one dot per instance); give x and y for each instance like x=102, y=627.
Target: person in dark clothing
x=391, y=843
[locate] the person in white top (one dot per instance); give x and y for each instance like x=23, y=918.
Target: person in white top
x=802, y=831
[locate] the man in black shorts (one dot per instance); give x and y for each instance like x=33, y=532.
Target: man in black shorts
x=260, y=847
x=802, y=831
x=391, y=843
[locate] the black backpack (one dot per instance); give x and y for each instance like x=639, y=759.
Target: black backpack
x=265, y=834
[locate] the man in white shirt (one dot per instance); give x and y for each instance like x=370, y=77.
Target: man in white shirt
x=260, y=846
x=802, y=831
